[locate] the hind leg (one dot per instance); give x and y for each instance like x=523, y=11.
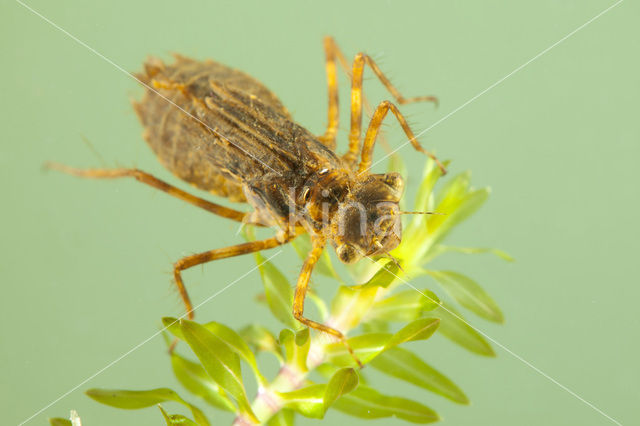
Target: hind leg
x=156, y=183
x=221, y=253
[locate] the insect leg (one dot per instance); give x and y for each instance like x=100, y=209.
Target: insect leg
x=221, y=253
x=329, y=137
x=356, y=101
x=333, y=52
x=156, y=183
x=372, y=133
x=301, y=291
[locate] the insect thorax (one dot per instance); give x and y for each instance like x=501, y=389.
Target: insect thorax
x=360, y=216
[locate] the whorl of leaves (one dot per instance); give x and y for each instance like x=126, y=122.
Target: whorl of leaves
x=383, y=311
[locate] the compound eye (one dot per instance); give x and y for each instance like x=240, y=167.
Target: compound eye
x=395, y=181
x=347, y=253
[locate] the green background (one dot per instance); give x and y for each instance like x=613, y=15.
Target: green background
x=86, y=265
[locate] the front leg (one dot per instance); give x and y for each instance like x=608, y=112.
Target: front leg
x=372, y=133
x=356, y=101
x=301, y=291
x=221, y=253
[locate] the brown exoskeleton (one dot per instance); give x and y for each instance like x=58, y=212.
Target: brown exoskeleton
x=224, y=132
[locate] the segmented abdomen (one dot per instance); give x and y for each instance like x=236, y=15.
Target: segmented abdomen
x=183, y=144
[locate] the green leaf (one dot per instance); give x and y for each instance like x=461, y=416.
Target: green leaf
x=302, y=337
x=350, y=305
x=365, y=346
x=407, y=366
x=469, y=294
x=456, y=202
x=425, y=192
x=238, y=345
x=420, y=329
x=283, y=417
x=455, y=211
x=314, y=401
x=403, y=306
x=367, y=403
x=387, y=274
x=368, y=346
x=278, y=292
x=454, y=189
x=261, y=339
x=222, y=363
x=423, y=203
x=308, y=401
x=343, y=381
x=302, y=246
x=228, y=336
x=176, y=419
x=196, y=380
x=57, y=421
x=454, y=327
x=296, y=346
x=134, y=400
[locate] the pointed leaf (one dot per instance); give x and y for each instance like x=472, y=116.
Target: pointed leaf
x=342, y=382
x=222, y=363
x=387, y=274
x=454, y=189
x=57, y=421
x=278, y=292
x=308, y=401
x=420, y=329
x=287, y=340
x=456, y=211
x=302, y=345
x=368, y=346
x=228, y=336
x=176, y=419
x=302, y=337
x=405, y=365
x=296, y=354
x=430, y=176
x=284, y=417
x=469, y=294
x=365, y=346
x=196, y=380
x=238, y=345
x=403, y=306
x=314, y=400
x=261, y=339
x=454, y=327
x=198, y=415
x=367, y=403
x=132, y=400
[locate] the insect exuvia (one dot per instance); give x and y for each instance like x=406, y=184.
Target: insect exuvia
x=224, y=132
